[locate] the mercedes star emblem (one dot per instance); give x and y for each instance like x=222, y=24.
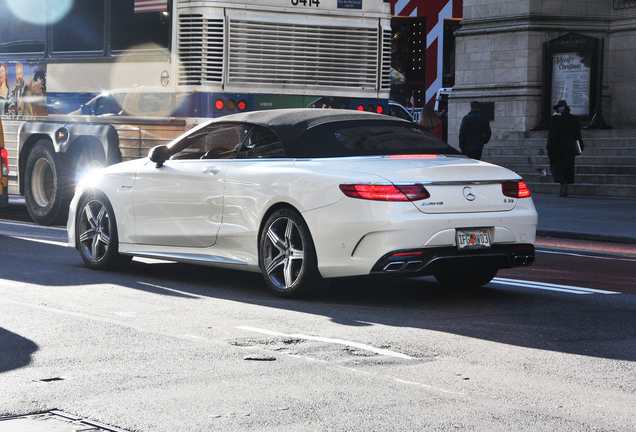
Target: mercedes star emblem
x=469, y=194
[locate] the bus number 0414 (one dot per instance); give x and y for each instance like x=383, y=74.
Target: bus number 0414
x=305, y=2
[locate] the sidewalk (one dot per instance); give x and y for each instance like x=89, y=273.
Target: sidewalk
x=586, y=218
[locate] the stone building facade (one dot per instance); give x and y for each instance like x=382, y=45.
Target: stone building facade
x=499, y=58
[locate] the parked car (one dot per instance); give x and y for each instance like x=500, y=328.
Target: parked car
x=399, y=111
x=4, y=171
x=307, y=194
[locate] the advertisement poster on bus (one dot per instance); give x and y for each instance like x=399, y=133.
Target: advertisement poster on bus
x=23, y=88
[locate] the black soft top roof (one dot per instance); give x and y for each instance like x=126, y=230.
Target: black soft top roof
x=288, y=124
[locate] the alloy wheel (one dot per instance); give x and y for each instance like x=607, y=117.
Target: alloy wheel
x=94, y=231
x=284, y=257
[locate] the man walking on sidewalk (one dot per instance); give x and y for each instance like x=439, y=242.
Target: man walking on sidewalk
x=474, y=132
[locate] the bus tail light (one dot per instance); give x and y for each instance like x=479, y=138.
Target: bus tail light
x=515, y=189
x=230, y=105
x=219, y=104
x=379, y=109
x=360, y=107
x=242, y=105
x=4, y=161
x=386, y=192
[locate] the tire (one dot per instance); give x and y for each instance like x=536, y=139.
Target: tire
x=96, y=233
x=47, y=192
x=287, y=255
x=466, y=280
x=84, y=160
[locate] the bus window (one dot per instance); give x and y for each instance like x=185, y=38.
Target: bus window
x=81, y=30
x=130, y=29
x=19, y=37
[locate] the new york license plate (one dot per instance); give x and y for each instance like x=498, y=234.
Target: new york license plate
x=473, y=239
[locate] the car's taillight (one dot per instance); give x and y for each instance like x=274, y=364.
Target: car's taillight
x=386, y=192
x=515, y=189
x=4, y=161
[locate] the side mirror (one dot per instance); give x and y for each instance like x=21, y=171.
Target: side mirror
x=159, y=155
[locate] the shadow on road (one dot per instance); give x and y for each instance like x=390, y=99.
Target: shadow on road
x=15, y=350
x=590, y=325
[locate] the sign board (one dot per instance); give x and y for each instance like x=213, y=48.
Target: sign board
x=572, y=73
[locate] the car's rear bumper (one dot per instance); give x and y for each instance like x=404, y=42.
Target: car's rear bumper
x=429, y=261
x=352, y=240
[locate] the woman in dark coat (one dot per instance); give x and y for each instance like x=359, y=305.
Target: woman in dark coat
x=562, y=136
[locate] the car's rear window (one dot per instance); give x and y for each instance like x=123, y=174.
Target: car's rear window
x=363, y=138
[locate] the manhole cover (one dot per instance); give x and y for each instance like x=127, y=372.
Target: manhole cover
x=53, y=421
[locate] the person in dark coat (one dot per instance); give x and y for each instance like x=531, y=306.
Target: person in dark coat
x=474, y=132
x=563, y=133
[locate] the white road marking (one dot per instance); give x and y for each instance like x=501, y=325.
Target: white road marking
x=32, y=225
x=51, y=242
x=328, y=340
x=585, y=255
x=550, y=287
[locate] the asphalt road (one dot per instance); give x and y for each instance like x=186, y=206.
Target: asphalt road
x=172, y=347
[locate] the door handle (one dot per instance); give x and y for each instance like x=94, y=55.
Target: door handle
x=211, y=170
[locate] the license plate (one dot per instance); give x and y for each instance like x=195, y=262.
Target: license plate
x=473, y=239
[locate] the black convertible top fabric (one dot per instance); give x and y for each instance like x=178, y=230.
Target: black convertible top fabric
x=288, y=124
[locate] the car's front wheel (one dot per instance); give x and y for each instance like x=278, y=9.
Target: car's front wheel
x=96, y=232
x=287, y=255
x=466, y=280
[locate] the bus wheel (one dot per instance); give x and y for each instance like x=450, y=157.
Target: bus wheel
x=84, y=160
x=44, y=193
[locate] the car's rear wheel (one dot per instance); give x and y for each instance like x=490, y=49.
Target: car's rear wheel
x=466, y=280
x=287, y=255
x=96, y=233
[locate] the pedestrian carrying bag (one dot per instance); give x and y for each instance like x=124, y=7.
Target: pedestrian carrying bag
x=577, y=147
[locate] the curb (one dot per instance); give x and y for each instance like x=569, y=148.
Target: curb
x=585, y=236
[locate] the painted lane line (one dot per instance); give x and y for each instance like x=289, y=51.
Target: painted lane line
x=551, y=287
x=328, y=340
x=33, y=225
x=585, y=255
x=51, y=242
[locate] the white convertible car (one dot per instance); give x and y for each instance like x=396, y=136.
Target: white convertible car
x=303, y=195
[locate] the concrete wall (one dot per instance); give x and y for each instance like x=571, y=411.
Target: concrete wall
x=620, y=70
x=499, y=58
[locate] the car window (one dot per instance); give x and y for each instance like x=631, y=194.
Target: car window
x=366, y=138
x=399, y=112
x=261, y=143
x=107, y=105
x=218, y=141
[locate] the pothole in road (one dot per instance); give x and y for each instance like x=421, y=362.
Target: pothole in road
x=52, y=421
x=322, y=350
x=273, y=342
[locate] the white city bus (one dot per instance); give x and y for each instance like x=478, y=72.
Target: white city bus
x=91, y=83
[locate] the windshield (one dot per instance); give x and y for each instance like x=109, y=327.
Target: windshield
x=364, y=138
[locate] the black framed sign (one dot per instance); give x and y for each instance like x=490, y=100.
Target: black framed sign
x=573, y=72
